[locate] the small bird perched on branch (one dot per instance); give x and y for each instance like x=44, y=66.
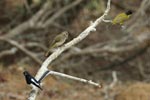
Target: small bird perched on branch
x=58, y=41
x=31, y=80
x=122, y=17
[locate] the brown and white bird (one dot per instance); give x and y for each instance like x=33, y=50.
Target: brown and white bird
x=59, y=40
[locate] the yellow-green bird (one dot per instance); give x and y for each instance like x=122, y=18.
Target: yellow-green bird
x=58, y=41
x=121, y=18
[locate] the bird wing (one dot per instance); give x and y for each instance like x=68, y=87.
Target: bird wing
x=59, y=40
x=28, y=78
x=35, y=82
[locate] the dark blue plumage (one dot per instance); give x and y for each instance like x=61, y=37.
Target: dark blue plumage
x=31, y=80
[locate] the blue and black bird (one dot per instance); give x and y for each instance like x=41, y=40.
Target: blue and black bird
x=31, y=80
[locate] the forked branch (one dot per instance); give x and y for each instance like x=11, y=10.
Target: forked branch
x=66, y=46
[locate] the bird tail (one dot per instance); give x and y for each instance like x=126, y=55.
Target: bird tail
x=40, y=88
x=49, y=51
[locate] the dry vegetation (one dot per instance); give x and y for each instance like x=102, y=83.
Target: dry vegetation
x=27, y=30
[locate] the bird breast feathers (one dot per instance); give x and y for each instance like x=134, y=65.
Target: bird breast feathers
x=121, y=18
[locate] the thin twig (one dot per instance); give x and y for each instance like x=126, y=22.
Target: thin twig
x=20, y=47
x=109, y=87
x=8, y=52
x=36, y=44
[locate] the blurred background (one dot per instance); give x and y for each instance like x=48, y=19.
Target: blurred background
x=114, y=55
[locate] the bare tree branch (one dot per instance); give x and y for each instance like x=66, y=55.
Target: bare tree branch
x=35, y=21
x=74, y=78
x=8, y=52
x=109, y=87
x=63, y=10
x=35, y=44
x=138, y=20
x=20, y=47
x=118, y=46
x=66, y=46
x=31, y=23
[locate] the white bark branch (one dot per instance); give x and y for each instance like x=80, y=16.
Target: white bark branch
x=66, y=46
x=74, y=78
